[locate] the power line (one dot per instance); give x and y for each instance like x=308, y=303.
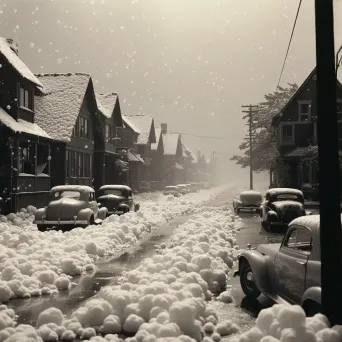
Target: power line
x=197, y=136
x=288, y=47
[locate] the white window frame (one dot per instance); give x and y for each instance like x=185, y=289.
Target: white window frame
x=337, y=102
x=282, y=136
x=300, y=113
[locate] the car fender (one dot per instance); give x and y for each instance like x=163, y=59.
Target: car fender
x=40, y=213
x=85, y=214
x=271, y=216
x=237, y=203
x=313, y=294
x=102, y=214
x=258, y=263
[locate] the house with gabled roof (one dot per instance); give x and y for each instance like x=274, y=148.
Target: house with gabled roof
x=144, y=124
x=67, y=109
x=157, y=160
x=25, y=145
x=189, y=166
x=111, y=118
x=296, y=164
x=173, y=157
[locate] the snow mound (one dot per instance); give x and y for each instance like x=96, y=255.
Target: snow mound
x=34, y=263
x=289, y=323
x=164, y=298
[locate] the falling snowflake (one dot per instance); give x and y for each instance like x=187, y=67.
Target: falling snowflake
x=31, y=45
x=59, y=61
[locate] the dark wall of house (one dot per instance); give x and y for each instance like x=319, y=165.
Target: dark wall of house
x=128, y=138
x=8, y=88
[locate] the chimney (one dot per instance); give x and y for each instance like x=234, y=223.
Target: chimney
x=163, y=127
x=13, y=45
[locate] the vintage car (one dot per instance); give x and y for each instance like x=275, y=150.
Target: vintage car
x=172, y=190
x=70, y=206
x=247, y=200
x=183, y=188
x=280, y=207
x=289, y=272
x=118, y=199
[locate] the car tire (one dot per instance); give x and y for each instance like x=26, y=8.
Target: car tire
x=311, y=308
x=41, y=227
x=248, y=286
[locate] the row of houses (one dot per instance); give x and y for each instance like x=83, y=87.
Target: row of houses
x=55, y=129
x=296, y=164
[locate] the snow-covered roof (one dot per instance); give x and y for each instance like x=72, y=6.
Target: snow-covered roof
x=144, y=124
x=132, y=157
x=80, y=188
x=128, y=123
x=170, y=141
x=154, y=146
x=57, y=109
x=21, y=125
x=13, y=59
x=115, y=187
x=106, y=103
x=188, y=153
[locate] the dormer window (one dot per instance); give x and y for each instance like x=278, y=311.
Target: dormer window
x=304, y=110
x=25, y=98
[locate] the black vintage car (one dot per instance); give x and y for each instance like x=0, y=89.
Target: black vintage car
x=280, y=207
x=118, y=199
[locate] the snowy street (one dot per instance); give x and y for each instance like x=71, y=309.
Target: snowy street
x=192, y=236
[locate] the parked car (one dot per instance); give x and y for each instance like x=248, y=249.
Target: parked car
x=118, y=199
x=70, y=205
x=280, y=207
x=172, y=190
x=248, y=200
x=287, y=272
x=183, y=189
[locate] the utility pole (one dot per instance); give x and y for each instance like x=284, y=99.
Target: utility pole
x=249, y=116
x=328, y=150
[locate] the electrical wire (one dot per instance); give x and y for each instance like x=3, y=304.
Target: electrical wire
x=288, y=47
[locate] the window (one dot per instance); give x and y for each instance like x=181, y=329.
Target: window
x=26, y=98
x=79, y=165
x=81, y=129
x=306, y=173
x=339, y=109
x=287, y=134
x=108, y=133
x=300, y=239
x=304, y=111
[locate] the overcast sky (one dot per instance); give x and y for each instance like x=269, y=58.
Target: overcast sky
x=190, y=63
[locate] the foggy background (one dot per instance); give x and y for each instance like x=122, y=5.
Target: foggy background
x=190, y=63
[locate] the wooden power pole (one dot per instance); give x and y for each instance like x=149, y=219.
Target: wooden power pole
x=249, y=116
x=329, y=168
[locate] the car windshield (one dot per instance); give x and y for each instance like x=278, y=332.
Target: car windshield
x=116, y=192
x=68, y=194
x=287, y=197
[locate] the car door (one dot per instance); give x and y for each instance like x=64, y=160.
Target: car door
x=291, y=263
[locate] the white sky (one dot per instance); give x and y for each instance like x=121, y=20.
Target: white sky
x=192, y=63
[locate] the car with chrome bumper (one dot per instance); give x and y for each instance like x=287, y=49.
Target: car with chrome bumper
x=247, y=201
x=280, y=207
x=289, y=272
x=118, y=199
x=70, y=206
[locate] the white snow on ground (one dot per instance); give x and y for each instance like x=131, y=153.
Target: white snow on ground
x=163, y=299
x=34, y=263
x=283, y=323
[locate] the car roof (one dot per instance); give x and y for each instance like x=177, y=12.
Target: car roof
x=80, y=188
x=310, y=221
x=115, y=187
x=170, y=186
x=278, y=191
x=250, y=192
